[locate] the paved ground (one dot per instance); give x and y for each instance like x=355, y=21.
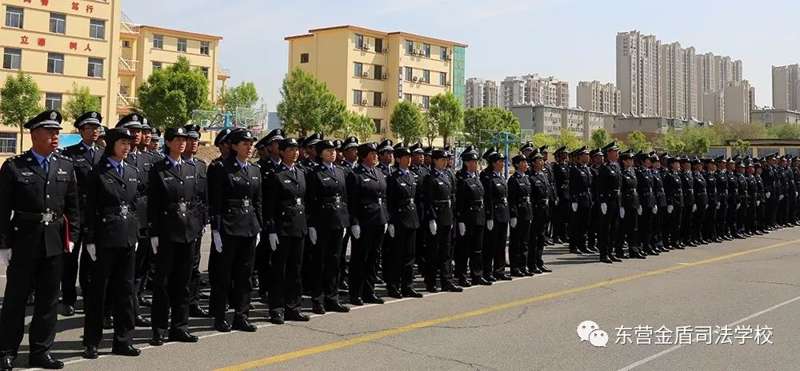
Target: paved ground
x=531, y=323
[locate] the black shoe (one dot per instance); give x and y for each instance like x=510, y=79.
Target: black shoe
x=68, y=310
x=410, y=293
x=534, y=270
x=481, y=281
x=501, y=277
x=372, y=299
x=222, y=325
x=242, y=324
x=144, y=302
x=517, y=273
x=637, y=255
x=489, y=278
x=125, y=350
x=182, y=336
x=108, y=322
x=276, y=317
x=335, y=306
x=357, y=301
x=544, y=269
x=46, y=361
x=680, y=247
x=394, y=292
x=615, y=259
x=295, y=315
x=463, y=282
x=432, y=288
x=526, y=272
x=89, y=353
x=158, y=338
x=317, y=308
x=344, y=286
x=621, y=256
x=584, y=251
x=7, y=362
x=450, y=287
x=197, y=312
x=606, y=259
x=142, y=322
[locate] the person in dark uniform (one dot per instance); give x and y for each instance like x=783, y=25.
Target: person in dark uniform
x=722, y=197
x=39, y=208
x=84, y=156
x=310, y=150
x=520, y=215
x=285, y=219
x=189, y=157
x=540, y=199
x=548, y=170
x=497, y=216
x=658, y=238
x=268, y=164
x=328, y=219
x=112, y=228
x=420, y=171
x=609, y=182
x=471, y=218
x=733, y=199
x=673, y=187
x=403, y=224
x=235, y=205
x=366, y=193
x=597, y=160
x=349, y=149
x=689, y=205
x=580, y=197
x=771, y=184
x=629, y=210
x=710, y=219
x=176, y=218
x=753, y=201
x=742, y=200
x=560, y=173
x=700, y=200
x=224, y=147
x=761, y=200
x=648, y=206
x=439, y=198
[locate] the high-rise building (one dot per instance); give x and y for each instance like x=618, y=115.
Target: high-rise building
x=512, y=92
x=739, y=98
x=598, y=97
x=372, y=70
x=534, y=90
x=672, y=79
x=480, y=93
x=786, y=87
x=638, y=73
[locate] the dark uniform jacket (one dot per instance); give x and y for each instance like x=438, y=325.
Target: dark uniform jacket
x=439, y=197
x=82, y=162
x=176, y=201
x=580, y=186
x=202, y=184
x=630, y=193
x=540, y=190
x=143, y=161
x=327, y=197
x=645, y=184
x=609, y=183
x=711, y=189
x=402, y=190
x=742, y=193
x=673, y=187
x=519, y=197
x=366, y=196
x=112, y=215
x=700, y=192
x=284, y=202
x=235, y=201
x=496, y=197
x=658, y=188
x=561, y=177
x=469, y=199
x=420, y=173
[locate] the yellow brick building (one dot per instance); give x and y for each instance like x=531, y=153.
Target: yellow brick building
x=371, y=71
x=90, y=43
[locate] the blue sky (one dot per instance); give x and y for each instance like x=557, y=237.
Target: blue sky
x=570, y=39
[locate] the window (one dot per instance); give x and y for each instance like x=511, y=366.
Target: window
x=304, y=58
x=14, y=17
x=58, y=23
x=205, y=72
x=359, y=41
x=442, y=78
x=55, y=63
x=443, y=53
x=95, y=67
x=377, y=123
x=409, y=47
x=408, y=97
x=357, y=95
x=205, y=48
x=158, y=42
x=377, y=99
x=358, y=68
x=182, y=44
x=156, y=66
x=378, y=45
x=426, y=49
x=126, y=44
x=426, y=102
x=409, y=73
x=52, y=101
x=378, y=72
x=12, y=58
x=426, y=76
x=97, y=29
x=8, y=142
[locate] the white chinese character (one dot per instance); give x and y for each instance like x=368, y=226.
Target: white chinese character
x=742, y=333
x=623, y=335
x=663, y=336
x=703, y=335
x=683, y=335
x=643, y=334
x=724, y=335
x=763, y=335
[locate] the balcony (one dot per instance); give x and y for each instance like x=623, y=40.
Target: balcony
x=223, y=74
x=127, y=66
x=124, y=102
x=128, y=26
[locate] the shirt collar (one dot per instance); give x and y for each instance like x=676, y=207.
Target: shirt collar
x=242, y=164
x=40, y=158
x=88, y=147
x=114, y=162
x=173, y=162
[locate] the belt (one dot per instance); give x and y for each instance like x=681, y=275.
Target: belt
x=378, y=200
x=182, y=207
x=525, y=200
x=242, y=202
x=298, y=201
x=476, y=203
x=45, y=218
x=442, y=202
x=121, y=210
x=332, y=199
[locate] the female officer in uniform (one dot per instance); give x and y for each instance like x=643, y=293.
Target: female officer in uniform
x=439, y=195
x=236, y=219
x=520, y=212
x=471, y=219
x=176, y=219
x=497, y=218
x=111, y=241
x=399, y=257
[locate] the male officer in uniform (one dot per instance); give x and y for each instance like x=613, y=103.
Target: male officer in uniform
x=673, y=187
x=700, y=200
x=192, y=145
x=608, y=189
x=580, y=189
x=84, y=156
x=268, y=163
x=349, y=160
x=520, y=213
x=38, y=209
x=420, y=171
x=562, y=210
x=689, y=205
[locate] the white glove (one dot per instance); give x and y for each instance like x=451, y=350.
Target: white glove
x=462, y=229
x=5, y=257
x=718, y=205
x=670, y=208
x=385, y=226
x=604, y=208
x=556, y=202
x=391, y=230
x=655, y=209
x=513, y=222
x=574, y=207
x=694, y=207
x=432, y=227
x=258, y=238
x=622, y=212
x=758, y=203
x=136, y=246
x=355, y=230
x=639, y=210
x=312, y=235
x=273, y=241
x=768, y=194
x=70, y=246
x=796, y=194
x=344, y=232
x=738, y=206
x=780, y=197
x=217, y=240
x=154, y=245
x=205, y=229
x=490, y=224
x=92, y=250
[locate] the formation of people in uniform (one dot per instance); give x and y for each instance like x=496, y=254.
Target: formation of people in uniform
x=121, y=216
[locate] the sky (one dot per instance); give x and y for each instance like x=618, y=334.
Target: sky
x=573, y=40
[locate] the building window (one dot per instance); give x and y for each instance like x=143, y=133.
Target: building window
x=205, y=72
x=158, y=42
x=58, y=23
x=357, y=96
x=378, y=45
x=409, y=47
x=156, y=66
x=443, y=53
x=426, y=102
x=55, y=63
x=426, y=76
x=442, y=78
x=377, y=99
x=182, y=44
x=304, y=58
x=12, y=58
x=377, y=125
x=14, y=17
x=377, y=72
x=426, y=49
x=359, y=41
x=8, y=142
x=126, y=44
x=409, y=73
x=97, y=29
x=205, y=48
x=52, y=101
x=95, y=67
x=358, y=68
x=408, y=97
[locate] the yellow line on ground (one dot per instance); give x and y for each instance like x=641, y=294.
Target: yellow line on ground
x=485, y=310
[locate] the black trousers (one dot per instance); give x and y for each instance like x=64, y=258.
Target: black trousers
x=518, y=247
x=541, y=217
x=25, y=274
x=438, y=262
x=233, y=267
x=285, y=281
x=194, y=280
x=722, y=219
x=113, y=275
x=364, y=261
x=469, y=252
x=494, y=249
x=262, y=264
x=344, y=266
x=143, y=268
x=561, y=218
x=607, y=236
x=671, y=227
x=645, y=232
x=398, y=259
x=326, y=257
x=69, y=293
x=580, y=227
x=710, y=221
x=171, y=294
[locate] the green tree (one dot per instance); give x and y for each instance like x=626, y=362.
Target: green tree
x=600, y=138
x=407, y=122
x=81, y=101
x=542, y=139
x=568, y=139
x=355, y=124
x=740, y=147
x=482, y=124
x=308, y=105
x=637, y=142
x=19, y=101
x=672, y=142
x=430, y=128
x=170, y=95
x=697, y=141
x=784, y=131
x=446, y=111
x=725, y=132
x=243, y=95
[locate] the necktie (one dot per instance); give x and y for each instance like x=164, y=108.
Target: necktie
x=46, y=165
x=120, y=169
x=178, y=167
x=91, y=154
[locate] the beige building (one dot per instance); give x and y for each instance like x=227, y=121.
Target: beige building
x=598, y=97
x=786, y=87
x=638, y=73
x=774, y=116
x=480, y=93
x=713, y=103
x=372, y=71
x=551, y=120
x=534, y=90
x=739, y=102
x=672, y=77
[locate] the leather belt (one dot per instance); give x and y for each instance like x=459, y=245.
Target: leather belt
x=45, y=218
